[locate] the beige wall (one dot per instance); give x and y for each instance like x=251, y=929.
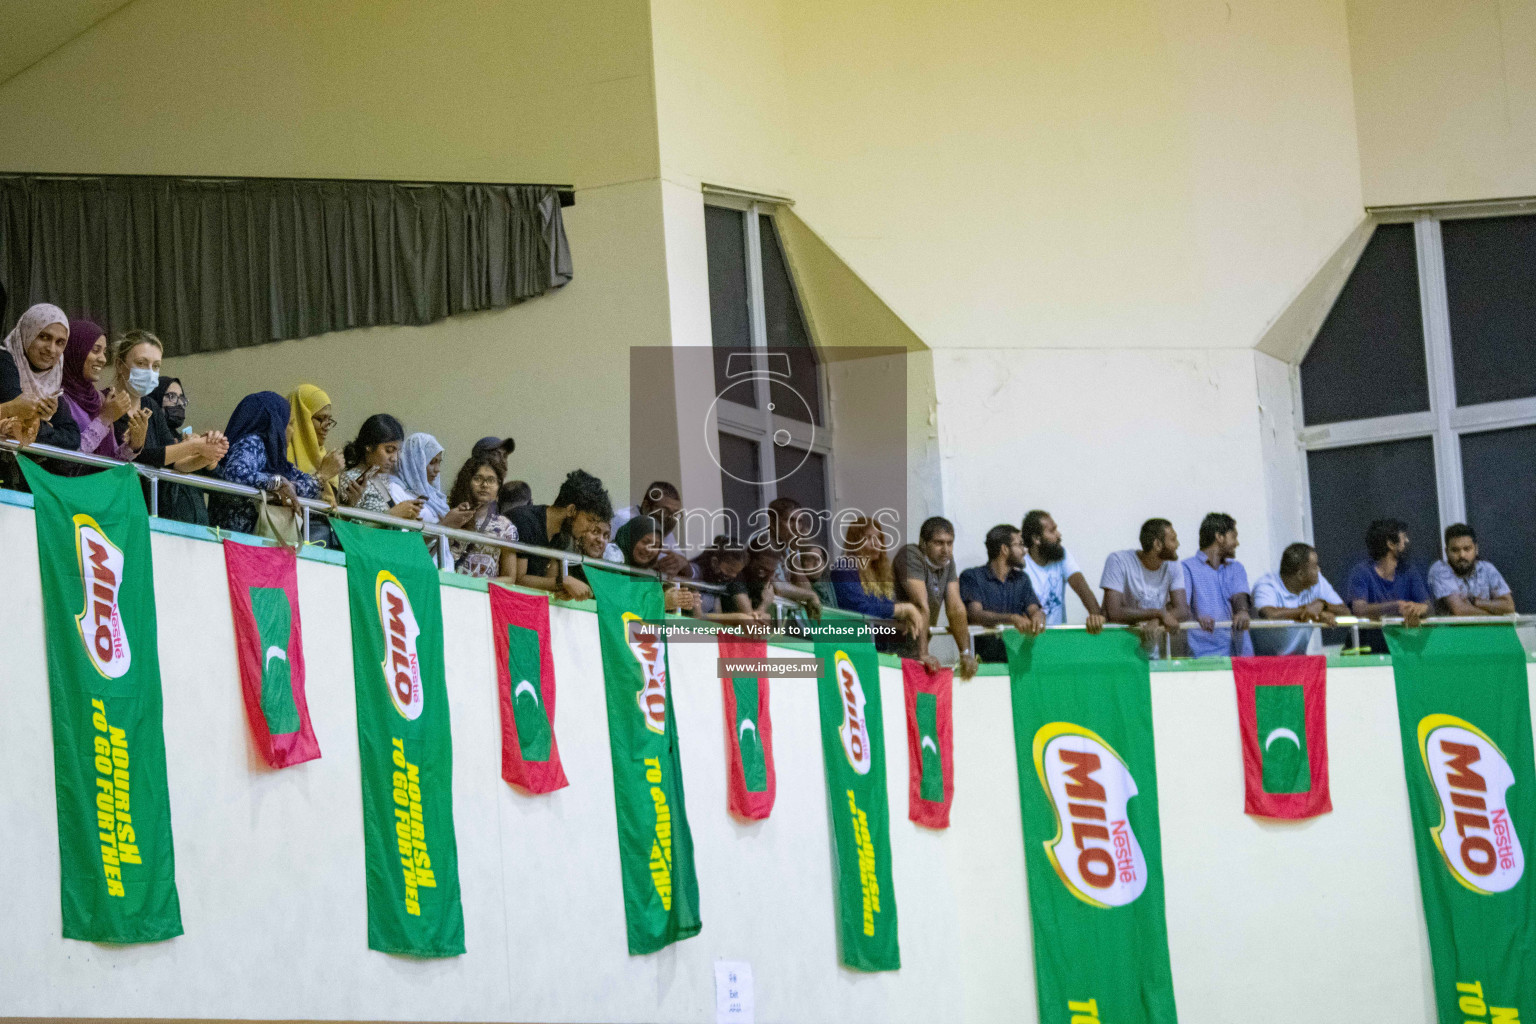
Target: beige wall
x=1032, y=174
x=1446, y=99
x=430, y=89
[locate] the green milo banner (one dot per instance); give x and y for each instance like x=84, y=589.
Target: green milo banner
x=853, y=752
x=1463, y=706
x=1082, y=727
x=403, y=739
x=661, y=890
x=117, y=867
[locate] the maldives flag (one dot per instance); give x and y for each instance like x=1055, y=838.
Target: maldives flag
x=748, y=732
x=930, y=743
x=525, y=683
x=1283, y=717
x=264, y=600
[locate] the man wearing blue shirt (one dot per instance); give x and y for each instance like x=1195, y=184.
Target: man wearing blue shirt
x=1000, y=594
x=1464, y=584
x=1384, y=584
x=1217, y=585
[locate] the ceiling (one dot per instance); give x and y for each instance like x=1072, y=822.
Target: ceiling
x=35, y=28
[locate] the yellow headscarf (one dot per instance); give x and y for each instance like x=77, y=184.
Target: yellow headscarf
x=304, y=451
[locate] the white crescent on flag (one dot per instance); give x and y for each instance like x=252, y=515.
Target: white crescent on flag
x=927, y=741
x=274, y=652
x=1282, y=734
x=741, y=730
x=525, y=685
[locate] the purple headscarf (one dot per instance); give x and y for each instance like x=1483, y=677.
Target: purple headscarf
x=83, y=335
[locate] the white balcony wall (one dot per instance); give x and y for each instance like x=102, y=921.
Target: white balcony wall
x=270, y=864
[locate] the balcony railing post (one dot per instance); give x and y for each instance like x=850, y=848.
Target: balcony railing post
x=1354, y=636
x=154, y=495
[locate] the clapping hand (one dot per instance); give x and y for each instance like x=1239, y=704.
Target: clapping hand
x=117, y=404
x=138, y=427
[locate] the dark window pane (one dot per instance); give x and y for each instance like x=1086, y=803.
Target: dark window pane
x=1352, y=486
x=1490, y=283
x=802, y=475
x=1499, y=470
x=725, y=240
x=787, y=332
x=1368, y=359
x=740, y=479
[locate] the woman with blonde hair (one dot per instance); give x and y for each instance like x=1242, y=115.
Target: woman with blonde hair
x=865, y=581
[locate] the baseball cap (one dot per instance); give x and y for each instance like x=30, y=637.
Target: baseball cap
x=490, y=444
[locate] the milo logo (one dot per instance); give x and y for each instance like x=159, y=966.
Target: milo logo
x=101, y=578
x=402, y=667
x=652, y=696
x=854, y=732
x=1095, y=851
x=1471, y=777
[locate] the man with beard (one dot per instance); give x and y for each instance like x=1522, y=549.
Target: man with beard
x=1464, y=584
x=1000, y=594
x=1145, y=588
x=1052, y=569
x=1384, y=584
x=1217, y=585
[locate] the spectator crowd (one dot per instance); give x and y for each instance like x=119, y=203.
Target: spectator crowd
x=63, y=385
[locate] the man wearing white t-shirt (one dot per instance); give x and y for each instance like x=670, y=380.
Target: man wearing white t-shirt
x=1052, y=569
x=1297, y=592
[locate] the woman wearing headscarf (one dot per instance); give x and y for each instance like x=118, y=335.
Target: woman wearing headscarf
x=640, y=540
x=85, y=356
x=258, y=434
x=474, y=491
x=312, y=423
x=415, y=477
x=32, y=378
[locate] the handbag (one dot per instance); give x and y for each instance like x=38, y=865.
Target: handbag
x=278, y=522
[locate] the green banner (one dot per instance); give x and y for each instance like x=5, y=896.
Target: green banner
x=661, y=890
x=117, y=866
x=1463, y=706
x=403, y=739
x=1082, y=727
x=853, y=752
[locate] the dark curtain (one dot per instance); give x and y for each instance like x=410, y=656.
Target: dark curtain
x=218, y=263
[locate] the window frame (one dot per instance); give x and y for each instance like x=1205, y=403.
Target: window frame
x=760, y=424
x=1445, y=423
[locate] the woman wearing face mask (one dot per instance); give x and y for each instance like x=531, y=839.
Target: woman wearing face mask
x=31, y=380
x=416, y=476
x=171, y=397
x=474, y=492
x=312, y=423
x=85, y=356
x=371, y=458
x=259, y=430
x=136, y=362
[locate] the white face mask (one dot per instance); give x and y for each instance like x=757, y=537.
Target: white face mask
x=142, y=381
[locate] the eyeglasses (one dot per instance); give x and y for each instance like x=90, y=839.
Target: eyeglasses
x=170, y=399
x=324, y=422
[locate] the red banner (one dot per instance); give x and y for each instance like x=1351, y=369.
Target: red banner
x=525, y=683
x=1283, y=717
x=930, y=743
x=269, y=643
x=751, y=782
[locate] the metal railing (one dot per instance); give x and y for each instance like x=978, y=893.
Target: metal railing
x=310, y=506
x=565, y=559
x=1353, y=623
